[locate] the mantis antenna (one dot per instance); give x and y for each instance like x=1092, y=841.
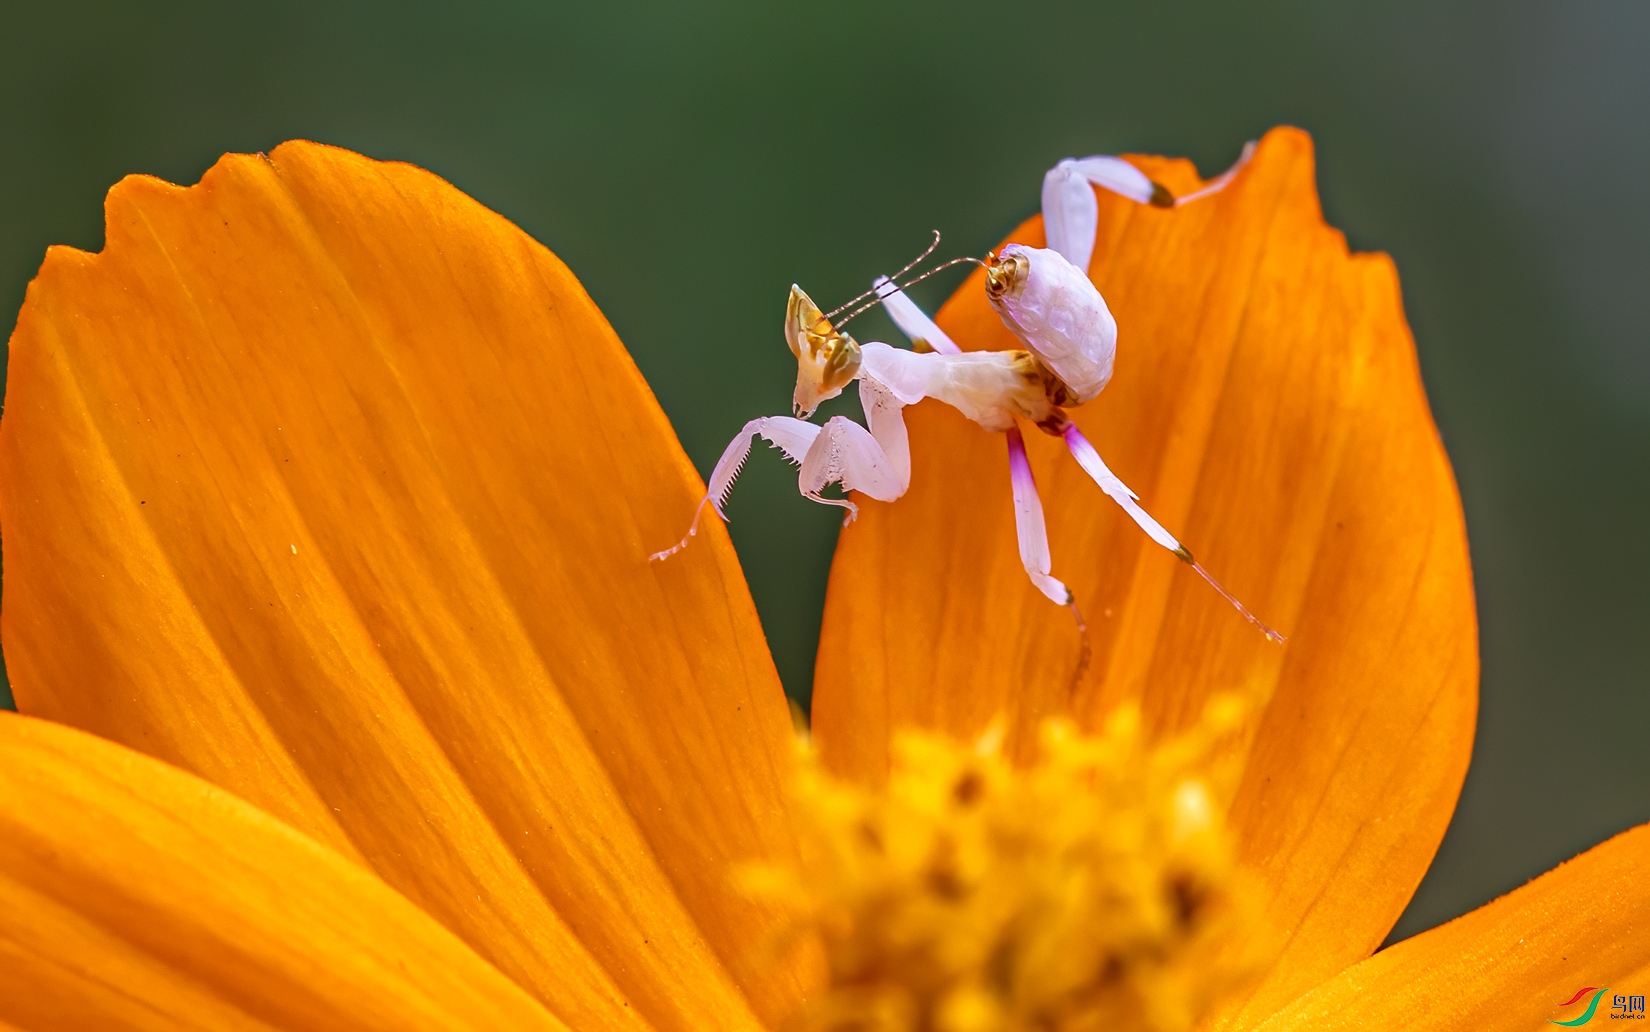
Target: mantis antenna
x=880, y=291
x=907, y=268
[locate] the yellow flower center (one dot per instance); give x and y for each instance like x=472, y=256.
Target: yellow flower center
x=1093, y=890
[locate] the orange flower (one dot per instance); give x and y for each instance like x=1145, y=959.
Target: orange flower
x=327, y=496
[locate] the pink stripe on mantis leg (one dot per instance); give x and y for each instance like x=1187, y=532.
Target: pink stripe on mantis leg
x=1028, y=522
x=1119, y=492
x=1033, y=535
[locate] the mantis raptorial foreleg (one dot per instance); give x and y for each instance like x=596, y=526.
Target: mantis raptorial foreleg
x=792, y=436
x=875, y=462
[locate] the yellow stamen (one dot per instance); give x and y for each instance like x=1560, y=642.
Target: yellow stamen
x=1095, y=889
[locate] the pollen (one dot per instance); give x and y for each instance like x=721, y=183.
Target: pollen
x=1094, y=889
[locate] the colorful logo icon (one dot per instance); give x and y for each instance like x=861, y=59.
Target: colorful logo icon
x=1623, y=1007
x=1592, y=1005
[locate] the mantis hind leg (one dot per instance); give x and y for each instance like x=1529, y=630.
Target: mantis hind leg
x=1071, y=214
x=1117, y=491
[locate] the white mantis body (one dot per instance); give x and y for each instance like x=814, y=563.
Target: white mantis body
x=1044, y=296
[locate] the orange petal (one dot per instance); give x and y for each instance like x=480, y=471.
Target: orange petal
x=1512, y=964
x=133, y=895
x=329, y=485
x=1268, y=408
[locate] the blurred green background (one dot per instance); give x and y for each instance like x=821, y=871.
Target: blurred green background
x=691, y=161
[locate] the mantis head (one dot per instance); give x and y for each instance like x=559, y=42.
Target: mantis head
x=1006, y=273
x=826, y=360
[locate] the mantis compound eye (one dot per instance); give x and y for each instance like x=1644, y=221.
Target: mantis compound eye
x=1006, y=273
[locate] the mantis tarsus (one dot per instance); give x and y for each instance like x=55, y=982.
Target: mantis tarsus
x=1044, y=296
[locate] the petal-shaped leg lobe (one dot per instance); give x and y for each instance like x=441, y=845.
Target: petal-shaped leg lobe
x=329, y=485
x=845, y=453
x=876, y=462
x=136, y=896
x=1268, y=403
x=885, y=419
x=1070, y=213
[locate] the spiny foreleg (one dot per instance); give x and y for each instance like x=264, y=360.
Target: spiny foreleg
x=794, y=437
x=874, y=462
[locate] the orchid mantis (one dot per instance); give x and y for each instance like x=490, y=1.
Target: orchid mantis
x=1044, y=296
